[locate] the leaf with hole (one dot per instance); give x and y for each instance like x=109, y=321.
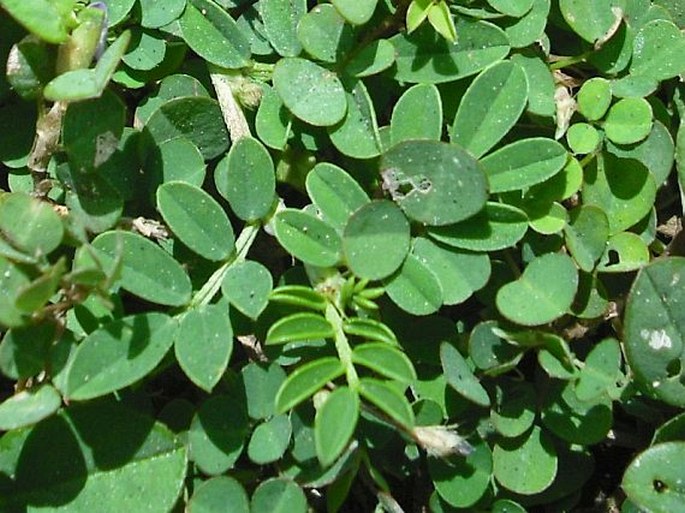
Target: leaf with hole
x=434, y=183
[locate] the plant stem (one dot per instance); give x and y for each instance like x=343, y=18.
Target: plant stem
x=342, y=346
x=211, y=287
x=234, y=118
x=565, y=62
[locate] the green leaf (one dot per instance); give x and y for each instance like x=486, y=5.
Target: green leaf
x=356, y=12
x=460, y=273
x=623, y=188
x=369, y=329
x=414, y=287
x=435, y=183
x=280, y=18
x=87, y=452
x=306, y=380
x=654, y=329
x=119, y=354
x=247, y=286
x=658, y=51
x=273, y=121
x=177, y=159
x=247, y=179
x=388, y=399
x=490, y=352
x=118, y=10
x=530, y=28
x=460, y=377
x=573, y=420
x=357, y=134
x=376, y=240
x=323, y=34
x=146, y=51
x=203, y=344
x=497, y=226
x=594, y=98
x=440, y=18
x=515, y=8
x=307, y=237
x=516, y=405
x=299, y=326
x=312, y=93
x=40, y=17
x=147, y=270
x=335, y=193
x=543, y=293
x=196, y=219
x=417, y=115
x=211, y=33
x=656, y=152
x=92, y=130
x=541, y=86
x=261, y=385
x=582, y=138
x=426, y=57
x=377, y=56
x=590, y=19
x=29, y=407
x=586, y=235
x=299, y=295
x=653, y=480
x=269, y=440
x=334, y=424
x=29, y=225
x=85, y=84
x=526, y=465
x=385, y=360
x=490, y=107
x=218, y=432
x=278, y=495
x=155, y=15
x=461, y=482
x=628, y=121
x=197, y=118
x=523, y=163
x=601, y=370
x=212, y=495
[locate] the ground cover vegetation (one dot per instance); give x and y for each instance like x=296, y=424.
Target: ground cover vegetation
x=357, y=255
